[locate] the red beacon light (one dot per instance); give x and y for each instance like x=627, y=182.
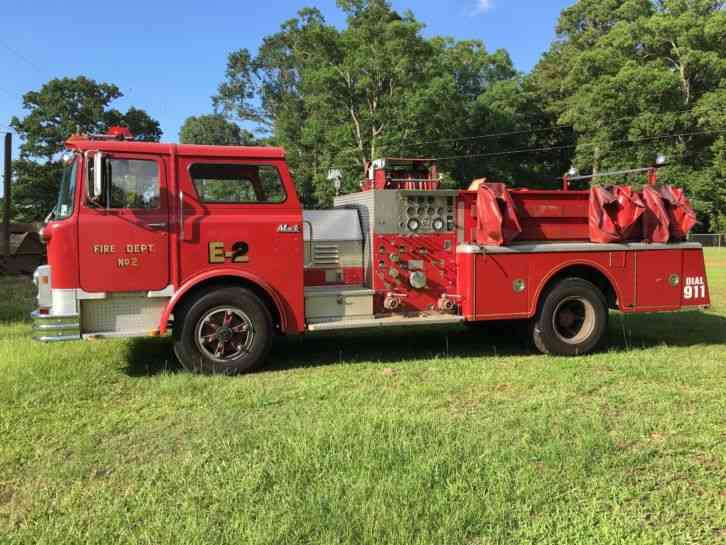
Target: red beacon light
x=120, y=133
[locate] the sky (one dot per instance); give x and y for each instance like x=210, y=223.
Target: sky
x=168, y=57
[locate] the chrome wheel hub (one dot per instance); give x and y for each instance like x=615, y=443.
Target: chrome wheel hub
x=224, y=333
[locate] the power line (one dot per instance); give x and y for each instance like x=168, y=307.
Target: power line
x=490, y=135
x=585, y=144
x=568, y=146
x=531, y=131
x=22, y=57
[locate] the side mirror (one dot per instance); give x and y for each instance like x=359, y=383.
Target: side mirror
x=94, y=179
x=97, y=174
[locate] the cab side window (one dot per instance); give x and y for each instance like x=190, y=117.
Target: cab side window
x=237, y=183
x=132, y=183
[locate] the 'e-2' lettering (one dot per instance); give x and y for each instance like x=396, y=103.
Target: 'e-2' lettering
x=238, y=253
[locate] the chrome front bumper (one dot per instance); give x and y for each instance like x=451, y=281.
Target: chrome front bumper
x=47, y=327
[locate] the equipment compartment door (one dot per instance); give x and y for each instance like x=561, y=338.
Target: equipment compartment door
x=658, y=280
x=501, y=286
x=124, y=241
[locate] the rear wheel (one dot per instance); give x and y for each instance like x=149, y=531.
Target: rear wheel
x=227, y=330
x=572, y=319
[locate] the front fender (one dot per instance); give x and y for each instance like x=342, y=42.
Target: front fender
x=221, y=274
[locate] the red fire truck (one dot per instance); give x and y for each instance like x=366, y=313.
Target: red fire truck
x=211, y=244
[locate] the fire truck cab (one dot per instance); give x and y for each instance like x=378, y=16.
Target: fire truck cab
x=211, y=243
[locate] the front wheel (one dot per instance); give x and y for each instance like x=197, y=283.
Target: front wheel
x=226, y=330
x=572, y=319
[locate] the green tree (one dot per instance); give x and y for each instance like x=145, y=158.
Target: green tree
x=624, y=73
x=214, y=129
x=377, y=87
x=60, y=108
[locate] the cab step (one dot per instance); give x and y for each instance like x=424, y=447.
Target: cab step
x=384, y=321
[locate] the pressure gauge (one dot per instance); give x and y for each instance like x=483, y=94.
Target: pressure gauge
x=411, y=211
x=417, y=279
x=438, y=224
x=413, y=224
x=431, y=211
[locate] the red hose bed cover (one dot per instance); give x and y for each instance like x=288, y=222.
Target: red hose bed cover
x=682, y=215
x=669, y=215
x=656, y=223
x=497, y=221
x=614, y=213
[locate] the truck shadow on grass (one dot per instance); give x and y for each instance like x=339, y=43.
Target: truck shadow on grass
x=149, y=356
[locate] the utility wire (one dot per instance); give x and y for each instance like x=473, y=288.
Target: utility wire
x=584, y=144
x=530, y=131
x=22, y=57
x=489, y=135
x=569, y=146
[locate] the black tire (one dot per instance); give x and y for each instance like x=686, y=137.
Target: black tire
x=231, y=318
x=572, y=319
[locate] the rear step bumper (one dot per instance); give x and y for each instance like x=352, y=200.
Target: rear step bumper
x=52, y=328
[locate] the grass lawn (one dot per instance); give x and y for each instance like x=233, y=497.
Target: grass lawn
x=434, y=437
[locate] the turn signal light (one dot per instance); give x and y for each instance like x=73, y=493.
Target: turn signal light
x=44, y=234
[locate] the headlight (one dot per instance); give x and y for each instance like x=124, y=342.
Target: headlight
x=35, y=278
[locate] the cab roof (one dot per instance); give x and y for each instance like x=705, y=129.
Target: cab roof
x=85, y=143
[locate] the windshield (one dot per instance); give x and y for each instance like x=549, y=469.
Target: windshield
x=67, y=190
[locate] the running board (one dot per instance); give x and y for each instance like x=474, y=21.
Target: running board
x=386, y=321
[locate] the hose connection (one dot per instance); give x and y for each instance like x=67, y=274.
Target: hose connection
x=448, y=303
x=393, y=300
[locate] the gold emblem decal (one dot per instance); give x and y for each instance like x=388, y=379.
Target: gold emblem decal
x=131, y=252
x=238, y=253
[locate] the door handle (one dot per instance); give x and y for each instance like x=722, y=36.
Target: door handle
x=161, y=225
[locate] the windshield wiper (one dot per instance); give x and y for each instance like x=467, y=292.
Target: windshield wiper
x=50, y=215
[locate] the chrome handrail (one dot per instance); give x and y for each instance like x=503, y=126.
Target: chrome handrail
x=309, y=244
x=181, y=216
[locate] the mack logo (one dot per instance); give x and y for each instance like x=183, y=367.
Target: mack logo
x=287, y=228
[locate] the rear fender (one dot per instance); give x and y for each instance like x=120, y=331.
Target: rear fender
x=562, y=269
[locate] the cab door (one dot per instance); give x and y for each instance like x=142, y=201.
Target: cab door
x=242, y=216
x=124, y=237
